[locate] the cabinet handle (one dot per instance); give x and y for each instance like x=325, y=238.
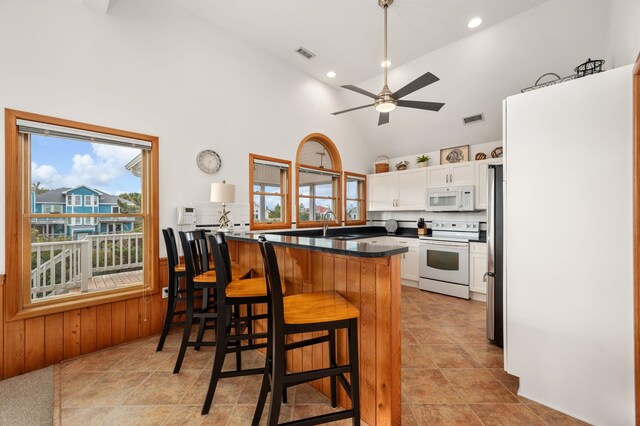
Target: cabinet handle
x=447, y=177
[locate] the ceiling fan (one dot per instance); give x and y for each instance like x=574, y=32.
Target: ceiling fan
x=386, y=101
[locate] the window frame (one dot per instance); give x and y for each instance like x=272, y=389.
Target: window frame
x=336, y=161
x=18, y=304
x=362, y=179
x=285, y=208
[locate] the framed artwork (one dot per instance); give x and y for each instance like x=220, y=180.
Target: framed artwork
x=457, y=154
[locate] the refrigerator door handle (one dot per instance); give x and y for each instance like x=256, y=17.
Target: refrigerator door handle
x=490, y=309
x=488, y=274
x=491, y=181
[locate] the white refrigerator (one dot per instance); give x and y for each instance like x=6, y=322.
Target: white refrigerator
x=568, y=246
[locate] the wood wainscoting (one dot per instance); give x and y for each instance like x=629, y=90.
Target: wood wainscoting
x=370, y=284
x=33, y=343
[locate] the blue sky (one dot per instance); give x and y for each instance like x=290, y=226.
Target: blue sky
x=57, y=163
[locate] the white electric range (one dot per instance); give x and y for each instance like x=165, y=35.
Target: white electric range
x=444, y=257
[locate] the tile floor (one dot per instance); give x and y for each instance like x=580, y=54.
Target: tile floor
x=450, y=375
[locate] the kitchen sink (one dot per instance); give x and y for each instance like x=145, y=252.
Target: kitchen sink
x=343, y=237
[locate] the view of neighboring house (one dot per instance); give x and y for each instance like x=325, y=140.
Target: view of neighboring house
x=84, y=200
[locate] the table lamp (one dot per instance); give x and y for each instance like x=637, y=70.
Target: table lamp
x=223, y=193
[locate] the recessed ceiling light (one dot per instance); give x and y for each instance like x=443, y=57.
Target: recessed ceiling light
x=475, y=22
x=385, y=64
x=331, y=74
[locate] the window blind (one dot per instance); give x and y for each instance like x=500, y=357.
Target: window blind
x=37, y=128
x=271, y=164
x=319, y=172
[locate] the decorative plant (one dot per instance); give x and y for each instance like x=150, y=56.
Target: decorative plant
x=422, y=158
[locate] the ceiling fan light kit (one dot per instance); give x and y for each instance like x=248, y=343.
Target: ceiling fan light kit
x=386, y=101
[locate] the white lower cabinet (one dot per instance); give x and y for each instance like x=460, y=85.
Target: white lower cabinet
x=477, y=267
x=409, y=261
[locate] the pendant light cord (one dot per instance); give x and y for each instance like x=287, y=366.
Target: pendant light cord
x=386, y=62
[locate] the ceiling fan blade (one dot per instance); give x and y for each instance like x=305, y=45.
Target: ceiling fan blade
x=417, y=84
x=383, y=119
x=430, y=106
x=352, y=109
x=361, y=91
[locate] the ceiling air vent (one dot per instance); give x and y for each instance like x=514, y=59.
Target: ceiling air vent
x=304, y=52
x=473, y=119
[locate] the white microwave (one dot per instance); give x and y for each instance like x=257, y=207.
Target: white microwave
x=451, y=199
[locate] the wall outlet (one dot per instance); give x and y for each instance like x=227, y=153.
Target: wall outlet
x=165, y=292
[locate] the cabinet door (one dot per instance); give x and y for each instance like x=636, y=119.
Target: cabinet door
x=463, y=173
x=412, y=190
x=478, y=266
x=438, y=176
x=482, y=168
x=382, y=191
x=410, y=264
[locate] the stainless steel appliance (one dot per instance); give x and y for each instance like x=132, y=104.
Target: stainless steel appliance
x=494, y=275
x=444, y=257
x=451, y=199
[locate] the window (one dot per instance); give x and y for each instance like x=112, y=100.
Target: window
x=67, y=257
x=355, y=190
x=115, y=209
x=318, y=172
x=269, y=199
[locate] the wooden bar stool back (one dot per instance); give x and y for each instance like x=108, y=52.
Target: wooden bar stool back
x=175, y=295
x=304, y=313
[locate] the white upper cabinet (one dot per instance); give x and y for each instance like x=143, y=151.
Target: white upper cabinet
x=481, y=181
x=405, y=190
x=451, y=174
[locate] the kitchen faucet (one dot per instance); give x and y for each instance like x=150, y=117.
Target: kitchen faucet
x=325, y=222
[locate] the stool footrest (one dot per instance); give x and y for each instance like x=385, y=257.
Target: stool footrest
x=307, y=376
x=237, y=337
x=324, y=418
x=307, y=342
x=248, y=372
x=247, y=348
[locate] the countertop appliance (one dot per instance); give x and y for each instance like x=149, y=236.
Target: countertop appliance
x=444, y=257
x=451, y=199
x=495, y=246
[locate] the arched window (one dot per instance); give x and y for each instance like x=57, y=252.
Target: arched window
x=318, y=177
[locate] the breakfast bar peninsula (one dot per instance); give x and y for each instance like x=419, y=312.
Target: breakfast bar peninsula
x=368, y=276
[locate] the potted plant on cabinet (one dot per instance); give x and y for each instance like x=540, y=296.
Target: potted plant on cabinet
x=422, y=160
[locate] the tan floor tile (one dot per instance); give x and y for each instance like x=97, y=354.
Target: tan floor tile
x=407, y=416
x=428, y=387
x=306, y=394
x=467, y=335
x=190, y=415
x=488, y=355
x=510, y=382
x=250, y=389
x=85, y=416
x=553, y=417
x=452, y=356
x=98, y=361
x=478, y=385
x=506, y=414
x=408, y=338
x=416, y=356
x=143, y=361
x=301, y=411
x=242, y=414
x=431, y=336
x=162, y=388
x=72, y=382
x=138, y=416
x=227, y=390
x=441, y=414
x=111, y=390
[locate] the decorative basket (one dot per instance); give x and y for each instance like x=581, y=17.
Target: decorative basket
x=382, y=164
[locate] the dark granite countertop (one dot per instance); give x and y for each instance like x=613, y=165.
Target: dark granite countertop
x=327, y=245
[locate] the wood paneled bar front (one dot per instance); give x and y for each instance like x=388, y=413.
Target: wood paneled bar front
x=368, y=276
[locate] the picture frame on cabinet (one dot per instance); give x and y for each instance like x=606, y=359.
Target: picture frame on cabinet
x=456, y=154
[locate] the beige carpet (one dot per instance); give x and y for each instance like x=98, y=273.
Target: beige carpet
x=28, y=399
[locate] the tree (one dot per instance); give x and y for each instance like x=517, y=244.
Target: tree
x=276, y=213
x=36, y=188
x=304, y=213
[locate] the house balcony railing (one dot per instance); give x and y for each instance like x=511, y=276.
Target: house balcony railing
x=62, y=266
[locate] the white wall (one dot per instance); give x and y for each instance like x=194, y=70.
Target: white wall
x=151, y=67
x=569, y=259
x=623, y=32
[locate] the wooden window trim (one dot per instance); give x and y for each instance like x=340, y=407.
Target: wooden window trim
x=16, y=221
x=362, y=199
x=285, y=208
x=336, y=161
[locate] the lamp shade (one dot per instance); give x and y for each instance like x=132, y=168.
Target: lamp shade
x=223, y=192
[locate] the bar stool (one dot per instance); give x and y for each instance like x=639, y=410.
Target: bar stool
x=304, y=313
x=230, y=296
x=176, y=271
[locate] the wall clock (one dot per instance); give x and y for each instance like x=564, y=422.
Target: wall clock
x=208, y=161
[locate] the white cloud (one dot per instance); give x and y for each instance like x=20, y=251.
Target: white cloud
x=99, y=170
